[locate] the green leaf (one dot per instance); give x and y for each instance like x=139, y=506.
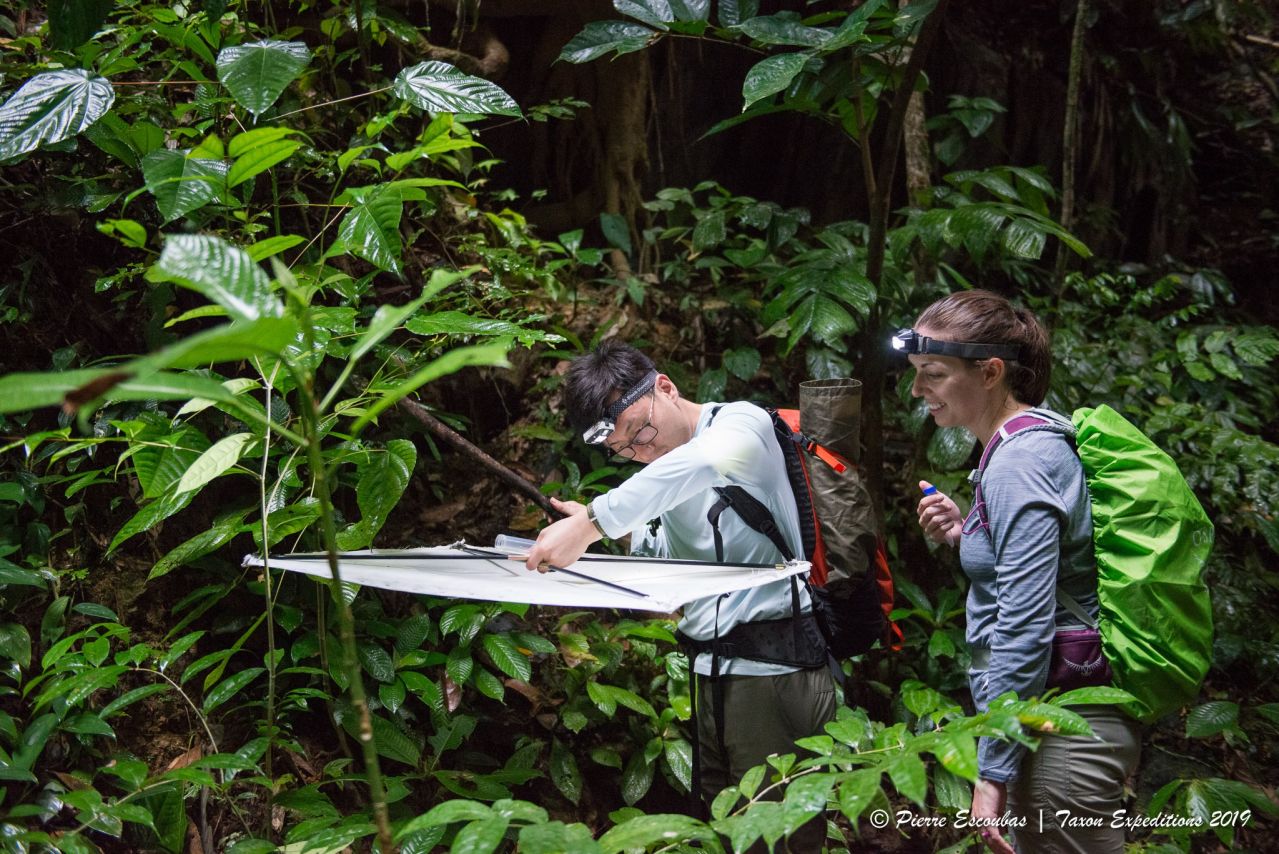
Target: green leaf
x=600, y=37
x=11, y=573
x=734, y=12
x=481, y=837
x=770, y=76
x=15, y=643
x=502, y=650
x=412, y=632
x=223, y=273
x=258, y=158
x=710, y=231
x=679, y=758
x=784, y=29
x=1024, y=240
x=257, y=73
x=51, y=107
x=950, y=448
x=371, y=228
x=637, y=778
x=73, y=22
x=388, y=739
x=1093, y=696
x=215, y=461
x=555, y=837
x=438, y=87
x=643, y=831
x=450, y=362
x=909, y=775
x=182, y=183
x=742, y=363
x=150, y=516
x=952, y=792
x=1212, y=718
x=616, y=231
x=564, y=772
x=129, y=232
x=459, y=323
x=957, y=752
x=376, y=662
x=655, y=13
x=383, y=480
x=265, y=249
x=229, y=687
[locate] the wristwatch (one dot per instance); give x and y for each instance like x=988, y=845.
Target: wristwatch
x=590, y=514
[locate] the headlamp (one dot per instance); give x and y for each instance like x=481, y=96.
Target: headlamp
x=910, y=342
x=602, y=429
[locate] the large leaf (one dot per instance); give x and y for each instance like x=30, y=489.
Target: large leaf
x=182, y=183
x=734, y=12
x=225, y=274
x=73, y=22
x=504, y=653
x=600, y=37
x=257, y=73
x=22, y=392
x=224, y=529
x=258, y=150
x=371, y=228
x=643, y=831
x=266, y=336
x=459, y=323
x=161, y=456
x=150, y=516
x=784, y=29
x=655, y=13
x=488, y=355
x=438, y=87
x=51, y=107
x=215, y=461
x=771, y=75
x=383, y=480
x=564, y=772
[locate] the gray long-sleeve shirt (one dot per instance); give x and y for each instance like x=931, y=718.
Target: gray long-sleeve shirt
x=737, y=447
x=1039, y=536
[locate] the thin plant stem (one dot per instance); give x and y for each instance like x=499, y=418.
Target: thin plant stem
x=337, y=101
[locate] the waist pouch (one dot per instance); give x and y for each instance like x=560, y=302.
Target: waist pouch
x=1078, y=661
x=787, y=641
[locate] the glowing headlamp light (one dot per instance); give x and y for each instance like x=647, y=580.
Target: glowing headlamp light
x=602, y=429
x=910, y=342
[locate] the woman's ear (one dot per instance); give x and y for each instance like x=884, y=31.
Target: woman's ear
x=993, y=371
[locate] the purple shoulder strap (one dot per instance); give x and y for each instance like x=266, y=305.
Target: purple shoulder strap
x=1011, y=426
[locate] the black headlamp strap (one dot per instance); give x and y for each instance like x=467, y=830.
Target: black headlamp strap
x=636, y=391
x=969, y=351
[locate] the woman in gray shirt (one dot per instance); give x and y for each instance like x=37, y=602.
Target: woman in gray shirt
x=983, y=364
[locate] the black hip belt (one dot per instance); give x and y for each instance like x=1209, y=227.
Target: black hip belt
x=789, y=641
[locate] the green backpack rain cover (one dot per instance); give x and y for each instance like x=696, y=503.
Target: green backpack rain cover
x=1152, y=540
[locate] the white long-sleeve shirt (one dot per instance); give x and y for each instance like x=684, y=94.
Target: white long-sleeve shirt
x=737, y=448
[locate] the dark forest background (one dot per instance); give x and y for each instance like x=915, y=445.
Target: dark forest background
x=414, y=213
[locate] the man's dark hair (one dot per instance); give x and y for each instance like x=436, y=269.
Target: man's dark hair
x=597, y=378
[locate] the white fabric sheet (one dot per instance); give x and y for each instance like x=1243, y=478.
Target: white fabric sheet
x=451, y=572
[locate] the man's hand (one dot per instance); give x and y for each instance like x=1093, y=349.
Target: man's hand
x=940, y=518
x=989, y=798
x=562, y=542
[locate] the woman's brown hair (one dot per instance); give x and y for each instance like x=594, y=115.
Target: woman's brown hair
x=982, y=317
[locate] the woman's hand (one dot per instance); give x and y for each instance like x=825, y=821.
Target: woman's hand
x=989, y=798
x=939, y=517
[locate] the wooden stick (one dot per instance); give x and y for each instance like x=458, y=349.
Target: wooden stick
x=442, y=431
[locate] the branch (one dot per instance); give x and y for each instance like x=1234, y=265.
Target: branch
x=442, y=431
x=1070, y=135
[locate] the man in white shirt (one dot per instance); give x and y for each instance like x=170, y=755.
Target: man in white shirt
x=747, y=708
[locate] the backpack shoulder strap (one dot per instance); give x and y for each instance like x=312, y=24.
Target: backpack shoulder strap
x=1005, y=431
x=751, y=511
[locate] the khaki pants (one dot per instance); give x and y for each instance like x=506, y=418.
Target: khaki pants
x=763, y=715
x=1074, y=785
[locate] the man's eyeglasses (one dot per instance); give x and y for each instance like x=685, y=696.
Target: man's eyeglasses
x=643, y=436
